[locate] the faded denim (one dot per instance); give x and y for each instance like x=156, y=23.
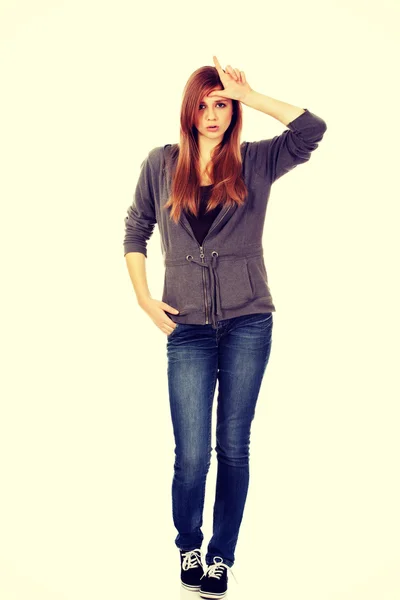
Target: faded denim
x=236, y=353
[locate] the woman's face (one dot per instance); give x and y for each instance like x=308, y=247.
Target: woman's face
x=214, y=111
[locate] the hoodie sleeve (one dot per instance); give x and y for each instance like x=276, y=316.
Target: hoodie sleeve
x=276, y=156
x=141, y=215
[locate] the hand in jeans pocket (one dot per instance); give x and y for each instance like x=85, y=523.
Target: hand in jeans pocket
x=157, y=309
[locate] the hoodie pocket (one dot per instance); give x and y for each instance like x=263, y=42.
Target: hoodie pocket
x=183, y=288
x=258, y=277
x=234, y=282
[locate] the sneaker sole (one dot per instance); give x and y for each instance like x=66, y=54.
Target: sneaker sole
x=212, y=595
x=190, y=588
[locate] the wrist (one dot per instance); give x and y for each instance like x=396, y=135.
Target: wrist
x=248, y=97
x=144, y=299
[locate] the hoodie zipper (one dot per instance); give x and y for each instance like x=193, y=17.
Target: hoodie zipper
x=204, y=283
x=190, y=230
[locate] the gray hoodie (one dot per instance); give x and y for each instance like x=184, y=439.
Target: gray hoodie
x=226, y=276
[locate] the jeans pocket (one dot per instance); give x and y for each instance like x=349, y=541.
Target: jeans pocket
x=265, y=317
x=173, y=331
x=258, y=318
x=261, y=321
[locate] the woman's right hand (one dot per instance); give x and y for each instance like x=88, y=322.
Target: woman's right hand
x=155, y=309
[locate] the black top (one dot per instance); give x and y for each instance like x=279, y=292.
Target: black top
x=203, y=222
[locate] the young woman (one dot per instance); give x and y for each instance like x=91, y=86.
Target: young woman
x=209, y=196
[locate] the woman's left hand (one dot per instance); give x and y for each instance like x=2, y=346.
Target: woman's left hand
x=234, y=82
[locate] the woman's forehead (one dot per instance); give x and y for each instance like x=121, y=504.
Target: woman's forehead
x=214, y=99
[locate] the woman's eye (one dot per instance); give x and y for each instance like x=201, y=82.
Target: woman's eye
x=218, y=103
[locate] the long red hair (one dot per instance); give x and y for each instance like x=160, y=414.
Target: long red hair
x=226, y=162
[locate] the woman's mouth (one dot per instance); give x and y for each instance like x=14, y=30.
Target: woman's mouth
x=214, y=128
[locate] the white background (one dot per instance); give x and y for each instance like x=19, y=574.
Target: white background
x=86, y=441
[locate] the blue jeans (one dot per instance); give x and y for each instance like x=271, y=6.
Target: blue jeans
x=236, y=353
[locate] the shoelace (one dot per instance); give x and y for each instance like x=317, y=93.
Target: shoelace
x=191, y=559
x=216, y=569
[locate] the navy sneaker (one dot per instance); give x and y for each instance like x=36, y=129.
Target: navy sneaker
x=214, y=584
x=191, y=569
